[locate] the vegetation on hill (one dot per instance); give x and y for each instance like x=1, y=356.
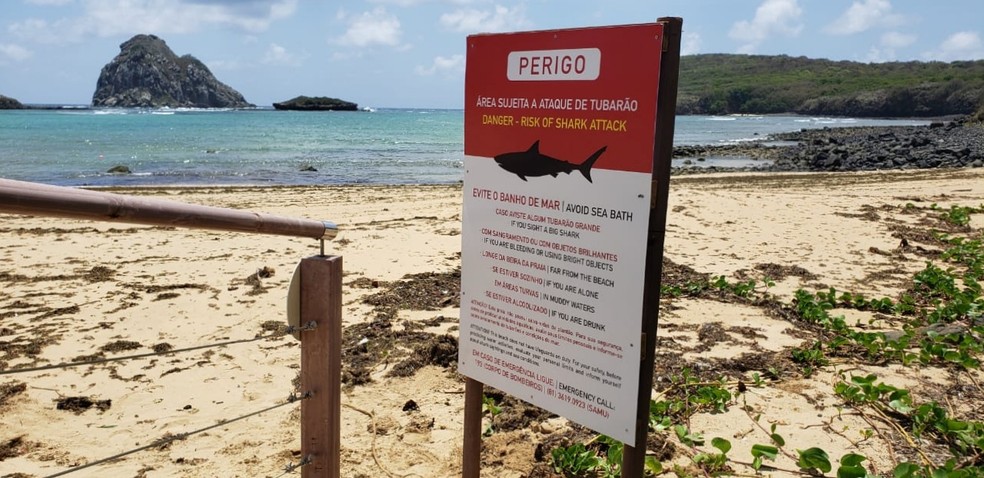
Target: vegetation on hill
x=755, y=84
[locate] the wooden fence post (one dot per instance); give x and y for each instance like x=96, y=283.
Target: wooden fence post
x=321, y=365
x=471, y=456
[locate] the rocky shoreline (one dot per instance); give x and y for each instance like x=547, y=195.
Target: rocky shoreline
x=952, y=144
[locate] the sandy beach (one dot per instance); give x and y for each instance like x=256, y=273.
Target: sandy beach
x=73, y=290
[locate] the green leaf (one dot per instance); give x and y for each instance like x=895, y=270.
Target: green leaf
x=614, y=455
x=778, y=439
x=653, y=465
x=721, y=444
x=851, y=472
x=852, y=459
x=900, y=406
x=905, y=470
x=850, y=466
x=767, y=451
x=689, y=439
x=814, y=459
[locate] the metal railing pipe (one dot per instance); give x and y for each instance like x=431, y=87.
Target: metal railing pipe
x=19, y=197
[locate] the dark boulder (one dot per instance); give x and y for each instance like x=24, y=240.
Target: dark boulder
x=8, y=103
x=120, y=169
x=146, y=73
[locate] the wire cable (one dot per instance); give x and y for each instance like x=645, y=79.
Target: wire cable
x=150, y=354
x=181, y=436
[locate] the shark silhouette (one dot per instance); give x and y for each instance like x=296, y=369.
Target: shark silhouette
x=532, y=163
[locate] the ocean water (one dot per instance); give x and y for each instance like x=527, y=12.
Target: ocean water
x=74, y=147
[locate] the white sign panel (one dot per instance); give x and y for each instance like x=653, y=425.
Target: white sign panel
x=559, y=143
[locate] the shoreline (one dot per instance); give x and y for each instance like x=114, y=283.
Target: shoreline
x=192, y=164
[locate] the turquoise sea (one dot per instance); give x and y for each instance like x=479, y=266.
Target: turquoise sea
x=76, y=146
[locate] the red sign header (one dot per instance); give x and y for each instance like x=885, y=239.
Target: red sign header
x=565, y=92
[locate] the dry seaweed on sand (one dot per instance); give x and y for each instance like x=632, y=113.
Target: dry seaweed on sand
x=424, y=291
x=10, y=390
x=80, y=404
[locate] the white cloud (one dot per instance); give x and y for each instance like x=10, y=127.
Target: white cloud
x=864, y=15
x=400, y=3
x=499, y=19
x=411, y=3
x=897, y=40
x=772, y=17
x=959, y=46
x=228, y=65
x=105, y=18
x=50, y=2
x=10, y=51
x=889, y=43
x=690, y=44
x=450, y=65
x=371, y=28
x=278, y=55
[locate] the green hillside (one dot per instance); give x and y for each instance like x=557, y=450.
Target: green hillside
x=756, y=84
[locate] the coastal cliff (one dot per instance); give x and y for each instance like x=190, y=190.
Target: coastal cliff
x=8, y=103
x=146, y=73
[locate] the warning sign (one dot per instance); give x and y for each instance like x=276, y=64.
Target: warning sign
x=559, y=133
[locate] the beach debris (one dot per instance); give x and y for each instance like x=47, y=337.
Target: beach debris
x=10, y=390
x=120, y=346
x=366, y=283
x=424, y=291
x=99, y=274
x=439, y=350
x=254, y=280
x=14, y=447
x=81, y=404
x=166, y=296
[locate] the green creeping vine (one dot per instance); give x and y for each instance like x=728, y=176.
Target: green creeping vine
x=965, y=439
x=942, y=322
x=742, y=289
x=958, y=215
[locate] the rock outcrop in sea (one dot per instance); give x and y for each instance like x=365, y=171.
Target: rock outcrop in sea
x=146, y=73
x=316, y=103
x=8, y=103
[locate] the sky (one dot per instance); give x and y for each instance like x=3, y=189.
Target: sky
x=410, y=53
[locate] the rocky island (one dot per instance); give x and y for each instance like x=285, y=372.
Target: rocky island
x=146, y=73
x=8, y=103
x=316, y=103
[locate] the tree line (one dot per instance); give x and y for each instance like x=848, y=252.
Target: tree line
x=760, y=84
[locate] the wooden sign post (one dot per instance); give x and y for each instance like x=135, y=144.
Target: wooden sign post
x=568, y=141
